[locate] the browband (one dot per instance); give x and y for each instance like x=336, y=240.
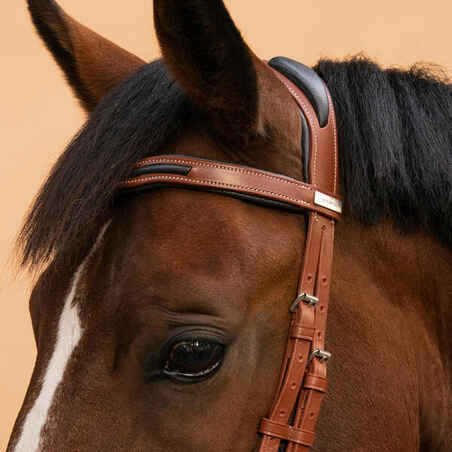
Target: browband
x=303, y=382
x=212, y=175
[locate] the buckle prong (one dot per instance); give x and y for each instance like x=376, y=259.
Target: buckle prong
x=310, y=300
x=321, y=355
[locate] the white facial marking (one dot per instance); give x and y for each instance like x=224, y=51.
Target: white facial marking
x=69, y=333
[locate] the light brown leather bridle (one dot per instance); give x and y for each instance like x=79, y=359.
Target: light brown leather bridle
x=303, y=381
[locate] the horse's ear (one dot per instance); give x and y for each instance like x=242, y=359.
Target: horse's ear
x=206, y=54
x=92, y=64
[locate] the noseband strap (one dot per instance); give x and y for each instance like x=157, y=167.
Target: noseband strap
x=303, y=382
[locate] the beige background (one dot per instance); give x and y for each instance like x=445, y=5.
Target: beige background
x=38, y=115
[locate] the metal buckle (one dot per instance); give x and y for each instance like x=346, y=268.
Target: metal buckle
x=310, y=300
x=321, y=355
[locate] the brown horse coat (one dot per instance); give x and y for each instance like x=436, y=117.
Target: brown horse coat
x=174, y=262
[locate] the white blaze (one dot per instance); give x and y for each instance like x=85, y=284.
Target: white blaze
x=69, y=333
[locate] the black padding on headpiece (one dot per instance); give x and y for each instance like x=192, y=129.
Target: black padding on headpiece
x=305, y=147
x=308, y=81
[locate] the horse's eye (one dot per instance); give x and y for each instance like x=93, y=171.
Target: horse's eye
x=194, y=360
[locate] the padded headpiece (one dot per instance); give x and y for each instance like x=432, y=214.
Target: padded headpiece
x=308, y=81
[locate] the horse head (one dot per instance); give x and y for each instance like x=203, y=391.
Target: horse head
x=161, y=317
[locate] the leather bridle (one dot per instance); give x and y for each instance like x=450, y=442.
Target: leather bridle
x=303, y=382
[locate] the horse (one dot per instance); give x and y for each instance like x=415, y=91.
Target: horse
x=161, y=317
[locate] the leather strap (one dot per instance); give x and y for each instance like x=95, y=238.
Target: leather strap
x=308, y=388
x=324, y=167
x=303, y=381
x=225, y=176
x=287, y=432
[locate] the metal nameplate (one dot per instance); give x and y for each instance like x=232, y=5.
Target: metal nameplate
x=324, y=200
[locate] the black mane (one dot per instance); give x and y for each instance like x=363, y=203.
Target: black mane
x=395, y=139
x=134, y=120
x=395, y=143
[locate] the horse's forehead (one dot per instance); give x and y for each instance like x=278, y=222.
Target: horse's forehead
x=181, y=241
x=186, y=222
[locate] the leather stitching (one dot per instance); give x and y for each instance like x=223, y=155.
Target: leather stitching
x=223, y=167
x=213, y=183
x=334, y=125
x=313, y=129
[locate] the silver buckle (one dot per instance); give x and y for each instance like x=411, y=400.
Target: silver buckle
x=321, y=355
x=310, y=300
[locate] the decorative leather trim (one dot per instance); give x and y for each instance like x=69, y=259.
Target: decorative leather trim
x=230, y=177
x=160, y=169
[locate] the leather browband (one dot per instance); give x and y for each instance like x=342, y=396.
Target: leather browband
x=303, y=381
x=185, y=170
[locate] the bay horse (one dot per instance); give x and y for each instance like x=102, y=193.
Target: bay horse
x=132, y=286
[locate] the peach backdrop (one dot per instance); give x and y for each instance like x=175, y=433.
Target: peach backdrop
x=39, y=116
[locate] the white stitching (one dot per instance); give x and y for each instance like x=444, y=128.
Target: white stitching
x=334, y=125
x=196, y=163
x=213, y=183
x=313, y=130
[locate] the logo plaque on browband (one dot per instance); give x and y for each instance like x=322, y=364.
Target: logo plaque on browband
x=324, y=200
